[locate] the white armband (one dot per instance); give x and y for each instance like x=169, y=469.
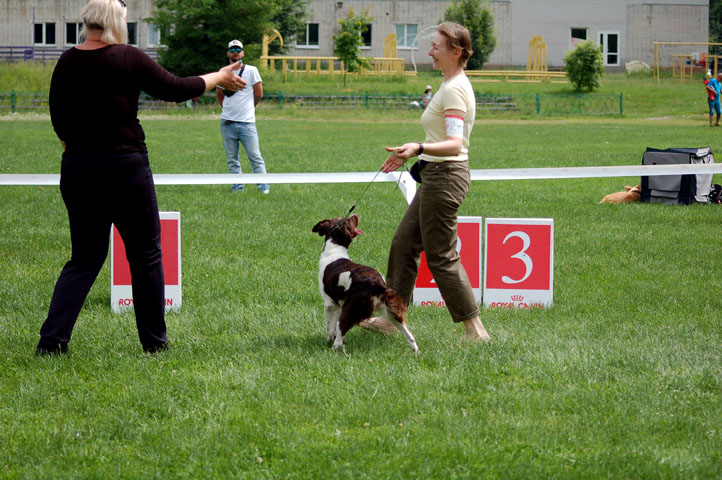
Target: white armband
x=454, y=126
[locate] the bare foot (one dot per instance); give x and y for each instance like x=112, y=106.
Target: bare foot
x=475, y=331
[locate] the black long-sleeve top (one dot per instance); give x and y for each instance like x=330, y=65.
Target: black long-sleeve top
x=94, y=97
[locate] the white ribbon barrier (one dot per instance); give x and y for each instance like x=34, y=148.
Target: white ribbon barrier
x=367, y=177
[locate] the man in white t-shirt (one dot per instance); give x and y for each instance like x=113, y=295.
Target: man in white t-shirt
x=238, y=118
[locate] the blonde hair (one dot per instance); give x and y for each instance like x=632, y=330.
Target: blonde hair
x=108, y=16
x=457, y=37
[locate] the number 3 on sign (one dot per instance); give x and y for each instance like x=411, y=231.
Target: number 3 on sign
x=521, y=255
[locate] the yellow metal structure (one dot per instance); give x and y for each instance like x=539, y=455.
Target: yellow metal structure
x=389, y=64
x=684, y=60
x=657, y=59
x=326, y=66
x=267, y=40
x=389, y=52
x=518, y=76
x=536, y=60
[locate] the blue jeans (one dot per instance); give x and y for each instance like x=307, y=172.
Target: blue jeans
x=246, y=133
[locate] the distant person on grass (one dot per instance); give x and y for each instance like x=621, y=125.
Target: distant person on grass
x=426, y=97
x=713, y=87
x=238, y=117
x=430, y=222
x=105, y=177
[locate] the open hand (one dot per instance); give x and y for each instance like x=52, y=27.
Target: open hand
x=399, y=156
x=229, y=80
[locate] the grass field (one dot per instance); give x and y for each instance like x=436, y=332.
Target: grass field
x=622, y=378
x=643, y=97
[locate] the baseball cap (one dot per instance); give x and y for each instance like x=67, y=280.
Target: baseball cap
x=428, y=87
x=235, y=43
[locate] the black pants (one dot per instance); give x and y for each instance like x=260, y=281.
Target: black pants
x=100, y=190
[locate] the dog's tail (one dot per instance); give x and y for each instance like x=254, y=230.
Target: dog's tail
x=395, y=305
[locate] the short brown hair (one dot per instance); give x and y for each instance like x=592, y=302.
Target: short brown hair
x=457, y=37
x=108, y=16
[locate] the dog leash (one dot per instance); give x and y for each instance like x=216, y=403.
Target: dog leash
x=350, y=210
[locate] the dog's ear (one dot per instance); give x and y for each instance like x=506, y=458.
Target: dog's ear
x=321, y=227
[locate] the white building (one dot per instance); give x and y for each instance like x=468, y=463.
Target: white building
x=44, y=28
x=625, y=28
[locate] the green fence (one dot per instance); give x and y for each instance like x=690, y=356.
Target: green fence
x=527, y=104
x=486, y=103
x=23, y=101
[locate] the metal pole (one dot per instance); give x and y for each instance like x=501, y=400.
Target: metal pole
x=32, y=51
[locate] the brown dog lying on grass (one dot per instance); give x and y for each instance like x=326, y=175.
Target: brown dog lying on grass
x=630, y=194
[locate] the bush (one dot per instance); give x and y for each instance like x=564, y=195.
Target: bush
x=585, y=66
x=476, y=16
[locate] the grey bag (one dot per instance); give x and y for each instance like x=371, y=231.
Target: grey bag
x=677, y=189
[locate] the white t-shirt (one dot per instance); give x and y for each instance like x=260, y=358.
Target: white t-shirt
x=454, y=94
x=240, y=107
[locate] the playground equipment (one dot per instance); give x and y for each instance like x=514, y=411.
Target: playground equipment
x=536, y=59
x=536, y=68
x=389, y=64
x=684, y=59
x=389, y=53
x=267, y=40
x=327, y=66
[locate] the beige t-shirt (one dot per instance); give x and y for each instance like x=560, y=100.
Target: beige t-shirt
x=454, y=94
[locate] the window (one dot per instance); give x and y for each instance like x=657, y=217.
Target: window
x=579, y=35
x=609, y=41
x=132, y=33
x=44, y=34
x=309, y=36
x=366, y=35
x=72, y=33
x=405, y=35
x=154, y=35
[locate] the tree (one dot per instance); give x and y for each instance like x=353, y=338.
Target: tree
x=715, y=25
x=585, y=66
x=348, y=41
x=476, y=16
x=199, y=30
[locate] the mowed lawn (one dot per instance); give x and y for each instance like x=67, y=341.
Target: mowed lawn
x=621, y=378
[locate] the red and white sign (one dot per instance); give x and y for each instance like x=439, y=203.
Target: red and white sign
x=519, y=262
x=426, y=292
x=121, y=292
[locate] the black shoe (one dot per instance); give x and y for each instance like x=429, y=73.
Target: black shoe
x=156, y=348
x=43, y=350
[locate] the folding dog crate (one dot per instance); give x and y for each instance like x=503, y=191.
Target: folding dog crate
x=677, y=189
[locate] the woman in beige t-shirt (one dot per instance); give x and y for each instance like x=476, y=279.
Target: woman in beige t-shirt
x=430, y=223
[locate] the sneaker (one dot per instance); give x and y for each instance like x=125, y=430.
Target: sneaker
x=266, y=191
x=153, y=349
x=378, y=324
x=44, y=350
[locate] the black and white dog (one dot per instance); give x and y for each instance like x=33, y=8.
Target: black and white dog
x=352, y=292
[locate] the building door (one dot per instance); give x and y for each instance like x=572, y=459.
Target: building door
x=609, y=41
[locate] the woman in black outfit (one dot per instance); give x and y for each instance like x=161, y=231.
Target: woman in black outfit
x=105, y=177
